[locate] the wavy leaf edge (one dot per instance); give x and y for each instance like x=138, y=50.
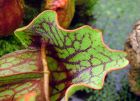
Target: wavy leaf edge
x=67, y=30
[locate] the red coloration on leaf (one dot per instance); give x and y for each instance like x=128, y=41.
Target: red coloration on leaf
x=60, y=80
x=11, y=14
x=18, y=90
x=16, y=65
x=25, y=56
x=28, y=96
x=75, y=57
x=55, y=4
x=64, y=8
x=28, y=67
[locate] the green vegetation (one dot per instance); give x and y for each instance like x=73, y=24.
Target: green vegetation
x=115, y=18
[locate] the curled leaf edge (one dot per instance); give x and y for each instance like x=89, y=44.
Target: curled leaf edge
x=67, y=30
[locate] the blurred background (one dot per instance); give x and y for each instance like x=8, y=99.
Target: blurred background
x=115, y=18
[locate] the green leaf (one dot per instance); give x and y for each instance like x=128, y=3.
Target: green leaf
x=21, y=75
x=20, y=91
x=19, y=66
x=75, y=57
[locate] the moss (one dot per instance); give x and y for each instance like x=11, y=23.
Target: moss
x=9, y=44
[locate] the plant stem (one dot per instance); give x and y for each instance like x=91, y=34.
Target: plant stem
x=46, y=71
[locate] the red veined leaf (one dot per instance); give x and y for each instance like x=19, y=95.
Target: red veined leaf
x=75, y=58
x=20, y=91
x=20, y=65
